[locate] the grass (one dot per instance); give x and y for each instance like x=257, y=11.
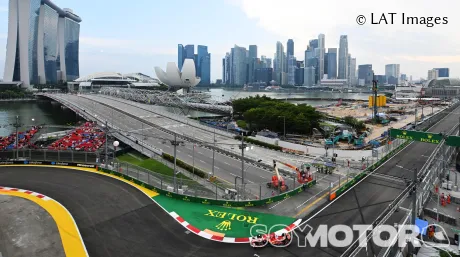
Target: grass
x=150, y=164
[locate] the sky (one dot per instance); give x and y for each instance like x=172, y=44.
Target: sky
x=137, y=35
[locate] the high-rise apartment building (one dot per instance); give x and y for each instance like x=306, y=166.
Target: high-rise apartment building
x=43, y=43
x=332, y=63
x=392, y=73
x=321, y=49
x=343, y=57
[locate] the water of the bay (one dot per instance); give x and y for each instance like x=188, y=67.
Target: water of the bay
x=33, y=113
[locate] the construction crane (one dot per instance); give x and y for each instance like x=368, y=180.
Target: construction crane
x=277, y=181
x=303, y=174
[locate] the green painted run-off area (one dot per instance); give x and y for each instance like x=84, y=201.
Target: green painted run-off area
x=233, y=222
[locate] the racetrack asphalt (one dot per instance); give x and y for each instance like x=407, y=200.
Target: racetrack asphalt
x=116, y=219
x=365, y=202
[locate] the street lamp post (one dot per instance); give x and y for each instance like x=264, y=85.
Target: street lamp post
x=175, y=143
x=243, y=146
x=106, y=144
x=115, y=144
x=213, y=152
x=17, y=125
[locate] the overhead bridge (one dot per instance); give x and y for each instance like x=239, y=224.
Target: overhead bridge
x=185, y=102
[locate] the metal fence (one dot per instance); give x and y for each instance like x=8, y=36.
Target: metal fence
x=187, y=183
x=431, y=173
x=52, y=155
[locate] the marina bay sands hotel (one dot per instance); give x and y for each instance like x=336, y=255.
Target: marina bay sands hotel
x=42, y=45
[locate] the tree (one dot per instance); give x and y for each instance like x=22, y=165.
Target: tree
x=266, y=113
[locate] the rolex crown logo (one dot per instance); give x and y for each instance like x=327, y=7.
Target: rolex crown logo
x=224, y=225
x=404, y=133
x=430, y=136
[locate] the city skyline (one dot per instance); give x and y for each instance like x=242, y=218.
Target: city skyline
x=138, y=45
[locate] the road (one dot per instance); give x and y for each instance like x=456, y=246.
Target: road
x=226, y=167
x=186, y=126
x=117, y=220
x=364, y=203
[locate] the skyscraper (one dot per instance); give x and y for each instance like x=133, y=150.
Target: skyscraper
x=290, y=48
x=279, y=62
x=313, y=44
x=321, y=48
x=205, y=70
x=392, y=73
x=309, y=76
x=189, y=52
x=433, y=74
x=292, y=65
x=353, y=81
x=238, y=65
x=180, y=56
x=202, y=52
x=443, y=72
x=343, y=57
x=299, y=73
x=252, y=51
x=226, y=69
x=43, y=43
x=332, y=63
x=365, y=74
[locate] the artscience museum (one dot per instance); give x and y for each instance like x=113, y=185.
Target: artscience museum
x=176, y=79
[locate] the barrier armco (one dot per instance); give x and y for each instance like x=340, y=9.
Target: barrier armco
x=212, y=201
x=167, y=193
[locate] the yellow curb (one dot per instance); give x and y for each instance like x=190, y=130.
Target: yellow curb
x=70, y=236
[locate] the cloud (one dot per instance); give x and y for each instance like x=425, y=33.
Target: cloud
x=303, y=20
x=124, y=46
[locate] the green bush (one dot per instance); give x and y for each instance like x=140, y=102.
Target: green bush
x=260, y=143
x=241, y=124
x=186, y=166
